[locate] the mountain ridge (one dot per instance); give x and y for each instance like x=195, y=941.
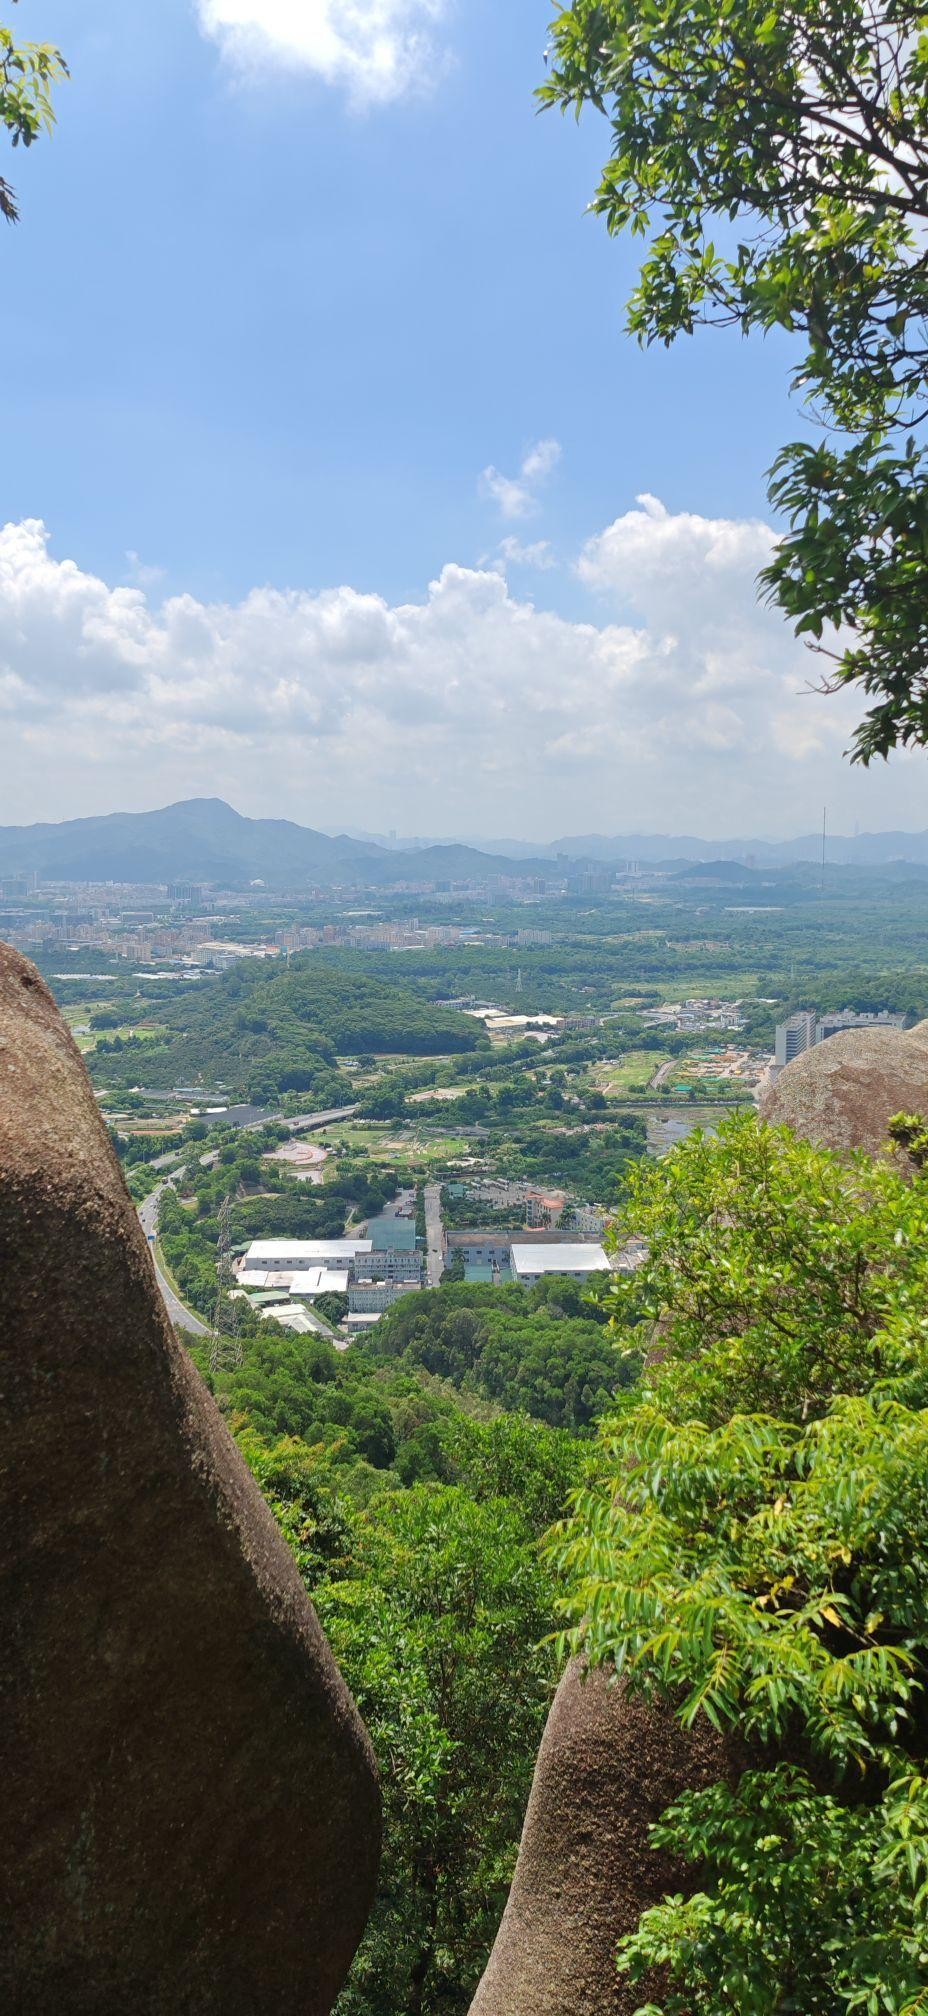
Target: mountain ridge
x=205, y=840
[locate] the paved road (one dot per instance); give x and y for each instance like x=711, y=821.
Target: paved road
x=182, y=1317
x=435, y=1253
x=305, y=1121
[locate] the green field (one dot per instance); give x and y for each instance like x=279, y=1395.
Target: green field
x=633, y=1074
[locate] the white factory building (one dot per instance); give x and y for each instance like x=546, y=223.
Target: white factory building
x=285, y=1255
x=529, y=1263
x=306, y=1267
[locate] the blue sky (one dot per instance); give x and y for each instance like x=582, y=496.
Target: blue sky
x=272, y=311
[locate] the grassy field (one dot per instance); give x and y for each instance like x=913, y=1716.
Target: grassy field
x=632, y=1075
x=388, y=1142
x=699, y=986
x=77, y=1015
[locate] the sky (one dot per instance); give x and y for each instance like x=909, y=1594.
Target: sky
x=330, y=483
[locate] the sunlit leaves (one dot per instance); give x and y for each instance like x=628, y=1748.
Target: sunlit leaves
x=752, y=1544
x=28, y=73
x=797, y=137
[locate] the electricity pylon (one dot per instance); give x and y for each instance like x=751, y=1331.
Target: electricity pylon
x=225, y=1344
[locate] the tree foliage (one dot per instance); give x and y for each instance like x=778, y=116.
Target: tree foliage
x=753, y=1546
x=440, y=1609
x=437, y=1627
x=544, y=1352
x=28, y=73
x=775, y=160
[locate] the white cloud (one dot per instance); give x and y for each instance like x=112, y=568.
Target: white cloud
x=662, y=563
x=537, y=554
x=375, y=49
x=142, y=572
x=516, y=495
x=470, y=707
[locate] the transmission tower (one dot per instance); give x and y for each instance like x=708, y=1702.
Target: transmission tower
x=519, y=987
x=225, y=1344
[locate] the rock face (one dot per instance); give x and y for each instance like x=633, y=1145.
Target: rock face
x=190, y=1811
x=843, y=1094
x=607, y=1768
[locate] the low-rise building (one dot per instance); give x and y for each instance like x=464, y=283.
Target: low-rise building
x=530, y=1263
x=291, y=1255
x=315, y=1281
x=372, y=1298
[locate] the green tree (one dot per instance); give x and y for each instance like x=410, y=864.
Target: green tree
x=437, y=1628
x=775, y=160
x=28, y=72
x=753, y=1546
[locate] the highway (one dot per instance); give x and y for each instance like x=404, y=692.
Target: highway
x=182, y=1317
x=305, y=1121
x=303, y=1124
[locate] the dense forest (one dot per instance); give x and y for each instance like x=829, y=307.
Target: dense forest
x=416, y=1514
x=544, y=1351
x=264, y=1031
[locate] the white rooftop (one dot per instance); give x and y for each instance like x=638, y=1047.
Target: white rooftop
x=264, y=1277
x=558, y=1259
x=292, y=1317
x=319, y=1281
x=303, y=1252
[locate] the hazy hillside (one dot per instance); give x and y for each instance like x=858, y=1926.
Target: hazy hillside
x=206, y=840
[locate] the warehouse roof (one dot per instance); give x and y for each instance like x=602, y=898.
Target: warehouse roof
x=320, y=1281
x=558, y=1259
x=303, y=1252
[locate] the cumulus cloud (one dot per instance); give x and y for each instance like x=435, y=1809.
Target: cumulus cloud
x=517, y=496
x=663, y=563
x=375, y=49
x=536, y=554
x=678, y=702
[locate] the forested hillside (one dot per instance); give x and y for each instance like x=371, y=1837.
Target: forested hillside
x=545, y=1352
x=266, y=1030
x=415, y=1515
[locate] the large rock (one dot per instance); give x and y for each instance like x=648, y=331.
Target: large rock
x=608, y=1766
x=190, y=1810
x=843, y=1094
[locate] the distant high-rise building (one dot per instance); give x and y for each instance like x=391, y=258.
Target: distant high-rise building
x=803, y=1031
x=794, y=1036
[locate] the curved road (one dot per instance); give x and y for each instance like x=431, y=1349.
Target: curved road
x=182, y=1317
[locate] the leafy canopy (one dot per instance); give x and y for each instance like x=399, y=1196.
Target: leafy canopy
x=775, y=160
x=753, y=1545
x=28, y=71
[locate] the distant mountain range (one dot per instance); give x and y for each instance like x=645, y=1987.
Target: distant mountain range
x=205, y=840
x=664, y=850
